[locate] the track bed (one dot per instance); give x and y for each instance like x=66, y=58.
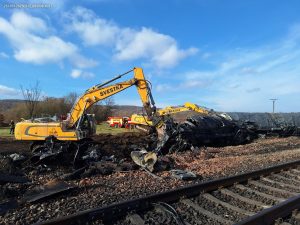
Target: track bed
x=208, y=163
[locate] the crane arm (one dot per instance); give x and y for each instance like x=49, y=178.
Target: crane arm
x=103, y=91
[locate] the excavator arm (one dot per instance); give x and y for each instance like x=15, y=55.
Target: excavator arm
x=103, y=91
x=188, y=106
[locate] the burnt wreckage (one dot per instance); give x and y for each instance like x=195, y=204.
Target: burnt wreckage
x=223, y=129
x=278, y=124
x=198, y=130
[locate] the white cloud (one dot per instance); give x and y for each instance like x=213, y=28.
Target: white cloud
x=92, y=29
x=245, y=79
x=82, y=62
x=4, y=55
x=76, y=73
x=161, y=49
x=23, y=31
x=7, y=91
x=23, y=21
x=128, y=43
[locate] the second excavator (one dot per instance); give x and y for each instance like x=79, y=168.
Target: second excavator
x=142, y=120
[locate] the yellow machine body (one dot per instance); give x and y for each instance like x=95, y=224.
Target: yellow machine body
x=80, y=125
x=140, y=119
x=29, y=131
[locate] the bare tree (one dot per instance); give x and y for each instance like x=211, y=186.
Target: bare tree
x=107, y=108
x=109, y=102
x=71, y=98
x=31, y=96
x=102, y=109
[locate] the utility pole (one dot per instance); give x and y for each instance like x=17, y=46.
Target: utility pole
x=273, y=100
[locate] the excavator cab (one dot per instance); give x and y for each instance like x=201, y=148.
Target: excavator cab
x=87, y=126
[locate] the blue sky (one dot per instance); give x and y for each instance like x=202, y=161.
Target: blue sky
x=226, y=55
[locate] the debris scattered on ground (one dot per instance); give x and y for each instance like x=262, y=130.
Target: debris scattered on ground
x=183, y=175
x=8, y=205
x=50, y=189
x=8, y=178
x=144, y=159
x=17, y=157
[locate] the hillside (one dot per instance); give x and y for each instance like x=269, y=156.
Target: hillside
x=264, y=119
x=6, y=104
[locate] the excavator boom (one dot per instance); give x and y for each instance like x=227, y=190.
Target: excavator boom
x=188, y=106
x=80, y=125
x=100, y=92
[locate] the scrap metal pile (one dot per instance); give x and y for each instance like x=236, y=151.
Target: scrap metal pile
x=281, y=124
x=205, y=130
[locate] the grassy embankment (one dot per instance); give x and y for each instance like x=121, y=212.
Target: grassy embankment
x=4, y=132
x=103, y=128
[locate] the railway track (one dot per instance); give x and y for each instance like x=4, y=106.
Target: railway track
x=261, y=197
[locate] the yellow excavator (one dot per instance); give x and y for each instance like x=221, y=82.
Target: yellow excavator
x=142, y=120
x=81, y=126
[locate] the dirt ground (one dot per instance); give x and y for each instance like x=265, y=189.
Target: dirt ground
x=8, y=145
x=98, y=190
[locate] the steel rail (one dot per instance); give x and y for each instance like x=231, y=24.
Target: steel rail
x=268, y=216
x=115, y=211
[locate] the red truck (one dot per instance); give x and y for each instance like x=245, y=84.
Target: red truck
x=118, y=122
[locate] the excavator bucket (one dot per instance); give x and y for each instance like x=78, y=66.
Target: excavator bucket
x=164, y=132
x=144, y=159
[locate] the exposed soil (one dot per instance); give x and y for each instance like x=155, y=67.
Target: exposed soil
x=111, y=144
x=99, y=190
x=8, y=145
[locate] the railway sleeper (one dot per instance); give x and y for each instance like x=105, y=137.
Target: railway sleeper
x=272, y=189
x=243, y=199
x=295, y=171
x=290, y=174
x=285, y=179
x=205, y=212
x=283, y=185
x=227, y=205
x=263, y=195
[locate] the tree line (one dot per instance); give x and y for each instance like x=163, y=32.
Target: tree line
x=35, y=106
